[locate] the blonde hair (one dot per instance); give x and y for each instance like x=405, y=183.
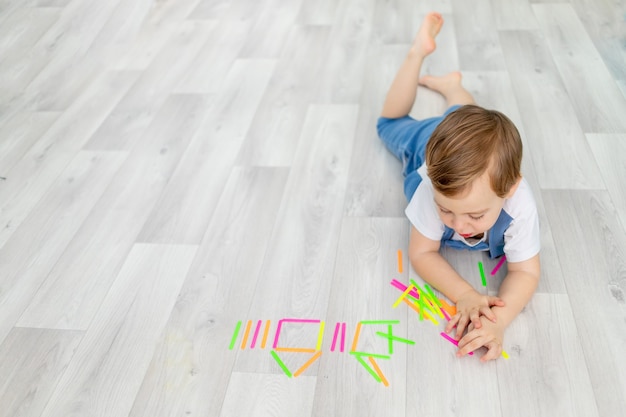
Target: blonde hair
x=470, y=141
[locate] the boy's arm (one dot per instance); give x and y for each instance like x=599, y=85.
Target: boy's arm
x=434, y=269
x=516, y=291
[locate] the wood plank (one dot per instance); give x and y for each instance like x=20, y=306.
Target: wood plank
x=19, y=134
x=136, y=110
x=32, y=176
x=596, y=99
x=272, y=139
x=106, y=371
x=514, y=15
x=545, y=347
x=595, y=277
x=36, y=246
x=477, y=38
x=186, y=205
x=548, y=115
x=191, y=366
x=268, y=395
x=74, y=289
x=31, y=361
x=341, y=79
x=72, y=65
x=366, y=261
x=211, y=67
x=609, y=151
x=604, y=22
x=375, y=177
x=270, y=33
x=302, y=250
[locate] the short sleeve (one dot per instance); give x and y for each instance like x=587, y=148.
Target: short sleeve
x=422, y=212
x=522, y=239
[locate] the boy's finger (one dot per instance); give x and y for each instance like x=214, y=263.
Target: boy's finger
x=496, y=301
x=475, y=318
x=494, y=352
x=453, y=321
x=487, y=312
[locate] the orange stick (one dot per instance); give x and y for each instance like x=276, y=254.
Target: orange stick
x=308, y=363
x=265, y=333
x=399, y=261
x=450, y=309
x=356, y=336
x=245, y=335
x=378, y=371
x=288, y=349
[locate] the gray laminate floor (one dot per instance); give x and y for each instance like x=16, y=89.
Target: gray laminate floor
x=197, y=217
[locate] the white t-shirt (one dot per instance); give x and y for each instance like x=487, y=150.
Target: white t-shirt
x=522, y=238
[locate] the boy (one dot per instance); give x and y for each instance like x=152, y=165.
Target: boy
x=465, y=190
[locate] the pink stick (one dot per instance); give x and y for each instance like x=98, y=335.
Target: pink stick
x=332, y=346
x=280, y=325
x=256, y=334
x=493, y=272
x=403, y=288
x=445, y=313
x=343, y=336
x=454, y=342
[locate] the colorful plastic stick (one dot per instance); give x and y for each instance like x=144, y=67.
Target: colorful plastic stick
x=265, y=333
x=234, y=338
x=391, y=337
x=365, y=365
x=399, y=261
x=308, y=363
x=281, y=364
x=505, y=355
x=343, y=337
x=450, y=309
x=357, y=333
x=495, y=270
x=256, y=334
x=294, y=349
x=245, y=335
x=432, y=295
x=404, y=294
x=320, y=336
x=379, y=372
x=334, y=343
x=417, y=310
x=453, y=341
x=403, y=287
x=482, y=274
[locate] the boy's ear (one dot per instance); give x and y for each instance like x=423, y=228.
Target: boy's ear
x=514, y=188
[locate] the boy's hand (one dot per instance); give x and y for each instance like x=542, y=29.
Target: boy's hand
x=469, y=307
x=490, y=335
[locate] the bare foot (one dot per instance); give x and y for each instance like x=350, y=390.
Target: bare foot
x=449, y=86
x=424, y=42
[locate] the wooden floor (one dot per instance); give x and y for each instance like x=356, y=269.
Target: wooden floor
x=190, y=187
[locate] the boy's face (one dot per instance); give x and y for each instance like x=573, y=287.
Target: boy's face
x=475, y=210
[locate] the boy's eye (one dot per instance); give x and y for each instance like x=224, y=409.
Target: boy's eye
x=478, y=217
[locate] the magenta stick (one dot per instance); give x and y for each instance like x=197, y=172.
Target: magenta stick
x=403, y=288
x=454, y=342
x=493, y=272
x=445, y=313
x=343, y=336
x=332, y=346
x=256, y=334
